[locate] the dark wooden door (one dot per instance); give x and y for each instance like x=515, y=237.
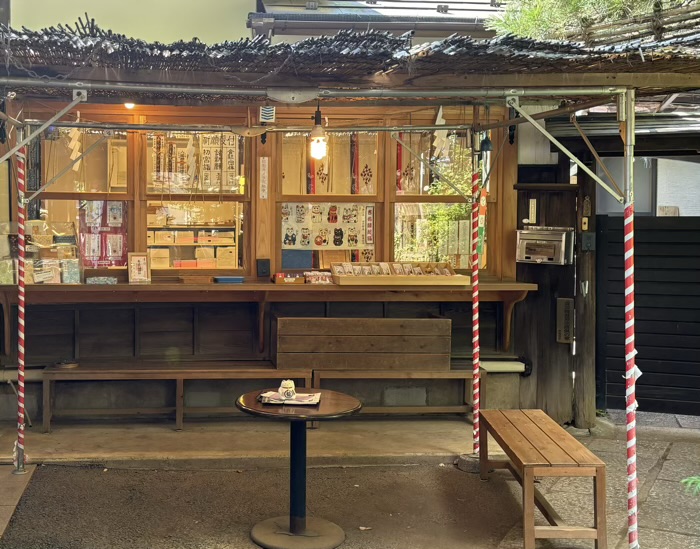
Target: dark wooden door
x=667, y=292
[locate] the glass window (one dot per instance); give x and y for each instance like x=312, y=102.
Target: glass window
x=195, y=162
x=102, y=169
x=434, y=232
x=100, y=229
x=451, y=161
x=350, y=166
x=195, y=234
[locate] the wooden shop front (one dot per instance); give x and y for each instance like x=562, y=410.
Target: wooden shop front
x=202, y=203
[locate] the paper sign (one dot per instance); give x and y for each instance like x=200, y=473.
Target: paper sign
x=264, y=176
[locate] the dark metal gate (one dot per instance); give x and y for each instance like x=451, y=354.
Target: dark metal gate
x=667, y=291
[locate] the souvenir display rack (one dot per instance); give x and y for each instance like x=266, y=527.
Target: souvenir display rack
x=397, y=274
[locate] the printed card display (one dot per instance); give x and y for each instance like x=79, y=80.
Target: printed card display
x=103, y=233
x=339, y=226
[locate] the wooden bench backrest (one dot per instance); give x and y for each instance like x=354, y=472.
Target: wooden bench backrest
x=531, y=438
x=363, y=343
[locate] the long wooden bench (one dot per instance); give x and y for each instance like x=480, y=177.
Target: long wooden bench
x=538, y=447
x=465, y=375
x=155, y=371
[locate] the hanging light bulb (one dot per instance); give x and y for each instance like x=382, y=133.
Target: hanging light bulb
x=319, y=140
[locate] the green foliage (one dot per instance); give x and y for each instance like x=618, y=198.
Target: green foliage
x=560, y=19
x=692, y=485
x=456, y=169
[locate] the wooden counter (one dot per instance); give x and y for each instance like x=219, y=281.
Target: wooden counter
x=509, y=293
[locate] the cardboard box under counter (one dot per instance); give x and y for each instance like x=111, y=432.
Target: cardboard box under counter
x=226, y=237
x=206, y=263
x=226, y=258
x=184, y=237
x=164, y=237
x=160, y=258
x=205, y=252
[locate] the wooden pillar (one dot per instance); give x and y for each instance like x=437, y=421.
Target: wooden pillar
x=585, y=304
x=264, y=202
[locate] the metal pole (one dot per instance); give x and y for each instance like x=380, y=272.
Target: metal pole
x=631, y=370
x=22, y=142
x=512, y=102
x=297, y=477
x=476, y=350
x=245, y=130
x=21, y=212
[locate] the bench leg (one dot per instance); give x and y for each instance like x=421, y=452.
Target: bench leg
x=599, y=504
x=179, y=403
x=47, y=405
x=483, y=452
x=528, y=508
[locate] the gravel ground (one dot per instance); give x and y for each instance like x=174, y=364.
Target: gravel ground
x=410, y=506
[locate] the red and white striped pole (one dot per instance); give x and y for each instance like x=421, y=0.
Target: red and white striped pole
x=475, y=301
x=631, y=371
x=21, y=212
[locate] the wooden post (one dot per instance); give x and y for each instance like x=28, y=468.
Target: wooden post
x=584, y=360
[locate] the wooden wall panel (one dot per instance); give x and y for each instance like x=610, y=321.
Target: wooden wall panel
x=550, y=387
x=50, y=335
x=106, y=333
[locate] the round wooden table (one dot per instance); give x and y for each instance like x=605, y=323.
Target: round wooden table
x=296, y=531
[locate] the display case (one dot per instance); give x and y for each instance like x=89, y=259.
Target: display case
x=194, y=235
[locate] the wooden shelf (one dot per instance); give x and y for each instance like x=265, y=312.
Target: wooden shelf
x=557, y=187
x=213, y=227
x=175, y=245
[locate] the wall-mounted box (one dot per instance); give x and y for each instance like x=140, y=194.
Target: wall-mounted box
x=549, y=245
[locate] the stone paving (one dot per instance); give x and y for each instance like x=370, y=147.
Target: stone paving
x=404, y=501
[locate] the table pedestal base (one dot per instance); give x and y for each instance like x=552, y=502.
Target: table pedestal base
x=319, y=534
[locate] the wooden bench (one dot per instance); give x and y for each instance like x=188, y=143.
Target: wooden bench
x=537, y=447
x=465, y=375
x=155, y=371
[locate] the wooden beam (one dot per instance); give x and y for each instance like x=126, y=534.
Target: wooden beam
x=642, y=81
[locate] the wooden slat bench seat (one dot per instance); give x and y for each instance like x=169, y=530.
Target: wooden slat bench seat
x=536, y=447
x=157, y=371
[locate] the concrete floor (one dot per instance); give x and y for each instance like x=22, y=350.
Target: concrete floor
x=394, y=477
